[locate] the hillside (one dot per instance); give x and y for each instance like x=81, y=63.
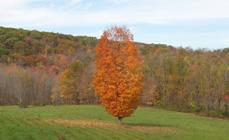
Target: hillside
x=92, y=122
x=32, y=63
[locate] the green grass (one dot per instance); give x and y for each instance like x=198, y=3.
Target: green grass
x=30, y=124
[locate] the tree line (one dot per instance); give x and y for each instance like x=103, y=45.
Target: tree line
x=41, y=68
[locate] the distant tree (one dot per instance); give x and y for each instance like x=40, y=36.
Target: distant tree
x=4, y=52
x=69, y=87
x=119, y=79
x=34, y=60
x=22, y=48
x=9, y=43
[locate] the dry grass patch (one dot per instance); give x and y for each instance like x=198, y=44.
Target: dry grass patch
x=81, y=123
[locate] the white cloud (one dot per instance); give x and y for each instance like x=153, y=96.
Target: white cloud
x=77, y=12
x=119, y=1
x=34, y=14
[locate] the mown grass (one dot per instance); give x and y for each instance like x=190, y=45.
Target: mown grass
x=32, y=123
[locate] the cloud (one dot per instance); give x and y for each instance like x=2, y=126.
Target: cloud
x=119, y=1
x=78, y=12
x=139, y=15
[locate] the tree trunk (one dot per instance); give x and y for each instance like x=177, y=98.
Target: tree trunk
x=120, y=120
x=218, y=106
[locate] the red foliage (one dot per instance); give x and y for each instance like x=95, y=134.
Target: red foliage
x=49, y=69
x=226, y=97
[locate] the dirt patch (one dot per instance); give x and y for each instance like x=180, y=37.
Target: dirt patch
x=82, y=123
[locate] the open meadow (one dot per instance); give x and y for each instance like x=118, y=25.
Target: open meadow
x=114, y=70
x=93, y=122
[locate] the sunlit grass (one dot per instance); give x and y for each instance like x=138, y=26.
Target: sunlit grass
x=33, y=123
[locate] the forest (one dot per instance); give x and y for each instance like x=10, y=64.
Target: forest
x=43, y=68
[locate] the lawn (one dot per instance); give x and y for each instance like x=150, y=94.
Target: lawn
x=92, y=122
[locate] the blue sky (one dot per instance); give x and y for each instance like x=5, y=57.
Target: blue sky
x=186, y=23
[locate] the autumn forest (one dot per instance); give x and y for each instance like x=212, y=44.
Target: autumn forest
x=43, y=68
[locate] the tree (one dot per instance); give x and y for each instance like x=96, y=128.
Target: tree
x=119, y=79
x=22, y=48
x=69, y=87
x=3, y=54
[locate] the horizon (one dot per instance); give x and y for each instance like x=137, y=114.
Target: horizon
x=196, y=24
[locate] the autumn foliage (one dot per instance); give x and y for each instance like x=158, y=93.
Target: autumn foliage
x=69, y=87
x=119, y=79
x=181, y=79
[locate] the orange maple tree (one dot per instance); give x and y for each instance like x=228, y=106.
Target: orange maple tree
x=119, y=79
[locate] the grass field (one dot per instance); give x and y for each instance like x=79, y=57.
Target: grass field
x=92, y=122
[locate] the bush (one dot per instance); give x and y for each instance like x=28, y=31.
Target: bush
x=221, y=114
x=212, y=113
x=160, y=104
x=197, y=109
x=22, y=104
x=37, y=103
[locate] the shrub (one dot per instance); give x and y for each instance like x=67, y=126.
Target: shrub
x=37, y=103
x=160, y=104
x=212, y=113
x=22, y=104
x=197, y=109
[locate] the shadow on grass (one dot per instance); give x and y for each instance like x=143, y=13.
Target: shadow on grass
x=146, y=124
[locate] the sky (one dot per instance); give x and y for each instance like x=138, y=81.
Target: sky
x=188, y=23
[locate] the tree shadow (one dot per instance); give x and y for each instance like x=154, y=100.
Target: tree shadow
x=146, y=124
